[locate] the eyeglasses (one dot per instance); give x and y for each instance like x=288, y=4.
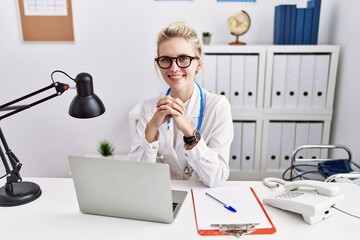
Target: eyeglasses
x=182, y=61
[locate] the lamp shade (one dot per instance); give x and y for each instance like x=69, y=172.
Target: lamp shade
x=86, y=104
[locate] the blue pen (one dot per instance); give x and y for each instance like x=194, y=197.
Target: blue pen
x=228, y=207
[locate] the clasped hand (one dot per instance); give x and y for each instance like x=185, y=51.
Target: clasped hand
x=169, y=107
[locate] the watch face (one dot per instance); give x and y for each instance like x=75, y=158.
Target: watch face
x=197, y=136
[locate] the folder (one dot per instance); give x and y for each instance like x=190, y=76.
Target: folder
x=306, y=80
x=251, y=81
x=209, y=74
x=237, y=80
x=223, y=75
x=315, y=138
x=292, y=80
x=274, y=146
x=243, y=198
x=235, y=148
x=278, y=81
x=321, y=78
x=248, y=146
x=287, y=144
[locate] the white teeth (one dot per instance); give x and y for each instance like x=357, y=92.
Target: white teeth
x=175, y=77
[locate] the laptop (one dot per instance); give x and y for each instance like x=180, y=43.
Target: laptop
x=125, y=189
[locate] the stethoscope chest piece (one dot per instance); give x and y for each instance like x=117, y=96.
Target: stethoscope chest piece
x=188, y=169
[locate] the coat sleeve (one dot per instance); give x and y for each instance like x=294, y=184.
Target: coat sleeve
x=210, y=157
x=141, y=150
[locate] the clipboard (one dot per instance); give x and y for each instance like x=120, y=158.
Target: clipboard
x=213, y=219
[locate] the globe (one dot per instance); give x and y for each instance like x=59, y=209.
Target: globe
x=238, y=24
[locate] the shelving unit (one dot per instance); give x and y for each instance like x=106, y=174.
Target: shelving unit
x=281, y=97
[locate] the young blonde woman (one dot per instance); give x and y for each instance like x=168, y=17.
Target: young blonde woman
x=188, y=127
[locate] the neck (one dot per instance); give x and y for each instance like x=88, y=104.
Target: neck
x=183, y=94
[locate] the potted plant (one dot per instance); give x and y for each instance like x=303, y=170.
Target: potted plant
x=106, y=148
x=206, y=38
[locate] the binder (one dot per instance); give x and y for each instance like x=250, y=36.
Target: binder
x=292, y=81
x=209, y=75
x=316, y=5
x=250, y=81
x=278, y=81
x=306, y=80
x=274, y=145
x=299, y=26
x=242, y=198
x=288, y=23
x=237, y=80
x=301, y=138
x=248, y=146
x=223, y=76
x=235, y=148
x=287, y=144
x=315, y=138
x=292, y=24
x=321, y=75
x=279, y=26
x=309, y=12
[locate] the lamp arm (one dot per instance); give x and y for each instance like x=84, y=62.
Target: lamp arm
x=59, y=87
x=13, y=174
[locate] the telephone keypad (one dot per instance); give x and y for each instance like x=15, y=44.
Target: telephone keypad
x=289, y=195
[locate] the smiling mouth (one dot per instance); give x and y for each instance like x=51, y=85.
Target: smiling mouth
x=174, y=78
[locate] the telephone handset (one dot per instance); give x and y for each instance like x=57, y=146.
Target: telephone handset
x=312, y=199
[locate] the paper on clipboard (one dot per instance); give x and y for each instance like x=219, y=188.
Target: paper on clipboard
x=242, y=198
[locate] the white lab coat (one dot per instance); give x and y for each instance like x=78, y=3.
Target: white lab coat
x=209, y=158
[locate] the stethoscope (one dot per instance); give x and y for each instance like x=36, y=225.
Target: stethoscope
x=188, y=169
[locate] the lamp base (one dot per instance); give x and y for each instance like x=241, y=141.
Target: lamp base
x=22, y=193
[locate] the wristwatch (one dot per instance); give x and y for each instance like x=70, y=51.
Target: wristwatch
x=193, y=139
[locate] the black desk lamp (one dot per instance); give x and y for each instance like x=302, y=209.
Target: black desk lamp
x=85, y=105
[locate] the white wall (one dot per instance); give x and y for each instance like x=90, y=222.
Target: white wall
x=115, y=43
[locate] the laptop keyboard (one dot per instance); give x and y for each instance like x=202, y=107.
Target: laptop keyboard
x=174, y=206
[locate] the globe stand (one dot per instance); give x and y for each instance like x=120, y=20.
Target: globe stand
x=237, y=41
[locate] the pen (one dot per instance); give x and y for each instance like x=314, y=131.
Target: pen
x=228, y=207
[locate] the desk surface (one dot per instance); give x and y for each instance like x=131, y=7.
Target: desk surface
x=55, y=215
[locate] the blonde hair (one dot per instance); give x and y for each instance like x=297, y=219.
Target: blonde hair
x=181, y=30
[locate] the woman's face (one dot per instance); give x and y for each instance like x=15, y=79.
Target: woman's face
x=180, y=80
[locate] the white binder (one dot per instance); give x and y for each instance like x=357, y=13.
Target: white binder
x=306, y=80
x=322, y=65
x=237, y=80
x=315, y=138
x=292, y=81
x=235, y=148
x=278, y=81
x=287, y=144
x=248, y=145
x=251, y=81
x=209, y=73
x=223, y=76
x=301, y=138
x=274, y=145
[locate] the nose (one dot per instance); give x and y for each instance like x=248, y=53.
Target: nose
x=174, y=66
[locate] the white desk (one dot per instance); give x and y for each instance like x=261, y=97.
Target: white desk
x=55, y=215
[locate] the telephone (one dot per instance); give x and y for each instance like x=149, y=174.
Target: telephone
x=312, y=199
